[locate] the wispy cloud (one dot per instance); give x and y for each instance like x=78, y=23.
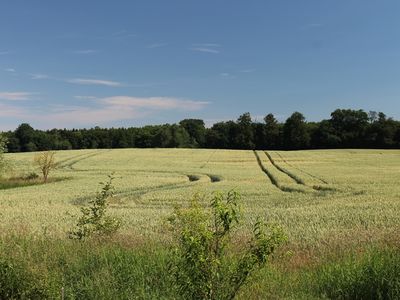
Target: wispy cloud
x=156, y=103
x=99, y=111
x=207, y=50
x=247, y=71
x=38, y=76
x=226, y=75
x=15, y=96
x=157, y=45
x=86, y=81
x=11, y=70
x=85, y=97
x=85, y=51
x=206, y=47
x=7, y=110
x=4, y=52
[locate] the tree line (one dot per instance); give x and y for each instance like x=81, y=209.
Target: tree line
x=346, y=128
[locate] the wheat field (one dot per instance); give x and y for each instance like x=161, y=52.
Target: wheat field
x=324, y=197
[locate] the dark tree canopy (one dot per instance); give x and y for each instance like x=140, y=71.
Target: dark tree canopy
x=345, y=129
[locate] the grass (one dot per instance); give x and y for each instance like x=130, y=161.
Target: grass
x=110, y=269
x=17, y=182
x=349, y=200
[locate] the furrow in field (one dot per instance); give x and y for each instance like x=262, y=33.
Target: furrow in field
x=301, y=170
x=273, y=180
x=137, y=192
x=209, y=158
x=274, y=176
x=297, y=179
x=63, y=161
x=70, y=165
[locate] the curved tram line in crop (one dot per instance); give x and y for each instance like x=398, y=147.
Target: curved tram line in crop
x=297, y=179
x=301, y=170
x=272, y=178
x=79, y=158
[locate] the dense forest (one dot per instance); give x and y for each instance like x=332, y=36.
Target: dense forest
x=345, y=129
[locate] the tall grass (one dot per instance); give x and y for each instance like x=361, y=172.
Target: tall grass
x=373, y=275
x=107, y=269
x=40, y=269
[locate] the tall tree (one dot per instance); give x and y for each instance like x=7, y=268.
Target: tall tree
x=245, y=137
x=26, y=134
x=350, y=125
x=271, y=132
x=295, y=132
x=196, y=130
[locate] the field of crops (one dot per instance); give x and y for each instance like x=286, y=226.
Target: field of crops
x=319, y=197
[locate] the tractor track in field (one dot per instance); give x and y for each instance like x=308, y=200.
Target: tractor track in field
x=61, y=162
x=272, y=178
x=70, y=164
x=301, y=170
x=295, y=178
x=284, y=171
x=140, y=192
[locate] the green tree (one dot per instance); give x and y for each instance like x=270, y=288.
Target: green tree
x=295, y=132
x=245, y=137
x=196, y=130
x=26, y=134
x=350, y=126
x=271, y=132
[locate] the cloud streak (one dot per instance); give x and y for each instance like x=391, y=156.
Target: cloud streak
x=38, y=76
x=86, y=81
x=206, y=50
x=99, y=111
x=153, y=103
x=206, y=47
x=15, y=96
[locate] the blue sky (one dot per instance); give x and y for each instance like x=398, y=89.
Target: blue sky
x=131, y=63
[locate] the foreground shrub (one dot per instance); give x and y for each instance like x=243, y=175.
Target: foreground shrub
x=376, y=275
x=202, y=266
x=94, y=220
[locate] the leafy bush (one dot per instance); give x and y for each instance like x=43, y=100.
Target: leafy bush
x=202, y=266
x=94, y=220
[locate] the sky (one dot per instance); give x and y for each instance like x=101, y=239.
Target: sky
x=75, y=64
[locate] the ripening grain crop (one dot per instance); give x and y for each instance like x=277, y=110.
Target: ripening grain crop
x=345, y=196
